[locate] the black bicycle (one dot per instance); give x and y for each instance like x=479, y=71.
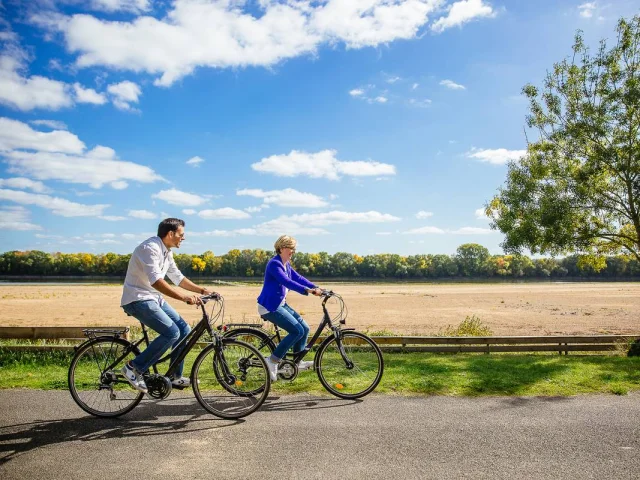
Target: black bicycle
x=349, y=364
x=229, y=377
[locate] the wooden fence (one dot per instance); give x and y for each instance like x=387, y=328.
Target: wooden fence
x=556, y=343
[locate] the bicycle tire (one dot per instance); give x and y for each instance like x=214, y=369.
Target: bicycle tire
x=344, y=382
x=238, y=392
x=96, y=390
x=257, y=338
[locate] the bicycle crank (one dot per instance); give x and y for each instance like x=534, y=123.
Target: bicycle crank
x=287, y=370
x=158, y=386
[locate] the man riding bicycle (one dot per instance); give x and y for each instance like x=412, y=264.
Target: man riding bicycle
x=144, y=283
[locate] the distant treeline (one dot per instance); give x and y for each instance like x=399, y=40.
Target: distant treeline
x=470, y=261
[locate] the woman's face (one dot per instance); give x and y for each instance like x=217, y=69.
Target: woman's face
x=286, y=253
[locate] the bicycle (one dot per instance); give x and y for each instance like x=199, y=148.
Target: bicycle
x=349, y=364
x=229, y=377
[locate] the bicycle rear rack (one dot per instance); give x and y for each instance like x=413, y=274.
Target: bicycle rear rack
x=93, y=333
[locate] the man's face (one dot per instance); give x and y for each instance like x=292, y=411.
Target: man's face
x=176, y=238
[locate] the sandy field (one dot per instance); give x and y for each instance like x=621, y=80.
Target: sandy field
x=420, y=309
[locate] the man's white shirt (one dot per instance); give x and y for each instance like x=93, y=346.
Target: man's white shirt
x=150, y=262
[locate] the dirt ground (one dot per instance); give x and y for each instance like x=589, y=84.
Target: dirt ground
x=419, y=309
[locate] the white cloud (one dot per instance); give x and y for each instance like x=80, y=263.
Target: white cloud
x=424, y=230
x=27, y=93
x=286, y=198
x=423, y=103
x=381, y=99
x=356, y=92
x=59, y=206
x=472, y=231
x=587, y=9
x=231, y=33
x=323, y=164
x=195, y=161
x=462, y=12
x=189, y=211
x=176, y=197
x=16, y=218
x=131, y=6
x=307, y=224
x=112, y=218
x=119, y=185
x=256, y=209
x=52, y=124
x=481, y=215
x=88, y=95
x=422, y=214
x=440, y=231
x=452, y=85
x=87, y=169
x=498, y=156
x=383, y=233
x=144, y=214
x=339, y=217
x=18, y=135
x=124, y=93
x=223, y=214
x=61, y=155
x=414, y=86
x=393, y=80
x=22, y=183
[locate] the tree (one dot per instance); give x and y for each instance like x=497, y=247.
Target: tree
x=577, y=189
x=472, y=258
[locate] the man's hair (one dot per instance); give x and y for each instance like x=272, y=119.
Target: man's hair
x=169, y=225
x=285, y=241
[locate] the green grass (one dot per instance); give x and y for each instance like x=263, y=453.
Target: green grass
x=407, y=374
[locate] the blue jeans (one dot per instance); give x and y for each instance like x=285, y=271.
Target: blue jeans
x=170, y=326
x=289, y=320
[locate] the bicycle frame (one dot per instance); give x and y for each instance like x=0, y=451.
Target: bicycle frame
x=326, y=323
x=189, y=342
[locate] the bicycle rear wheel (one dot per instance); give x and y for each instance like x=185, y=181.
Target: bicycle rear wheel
x=95, y=381
x=353, y=374
x=231, y=379
x=257, y=338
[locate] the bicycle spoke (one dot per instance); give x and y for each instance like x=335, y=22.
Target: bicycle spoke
x=350, y=368
x=230, y=381
x=93, y=385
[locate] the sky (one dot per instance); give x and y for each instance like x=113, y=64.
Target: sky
x=361, y=126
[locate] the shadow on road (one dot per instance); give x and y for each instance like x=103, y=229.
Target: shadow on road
x=148, y=419
x=275, y=404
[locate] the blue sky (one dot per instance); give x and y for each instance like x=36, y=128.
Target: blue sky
x=366, y=126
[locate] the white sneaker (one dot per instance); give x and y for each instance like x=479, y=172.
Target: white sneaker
x=273, y=369
x=134, y=378
x=182, y=382
x=304, y=365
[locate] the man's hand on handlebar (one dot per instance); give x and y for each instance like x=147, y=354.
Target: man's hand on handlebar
x=192, y=300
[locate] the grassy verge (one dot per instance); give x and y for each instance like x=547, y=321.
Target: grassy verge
x=405, y=374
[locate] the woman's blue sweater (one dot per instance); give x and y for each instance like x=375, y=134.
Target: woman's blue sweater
x=277, y=277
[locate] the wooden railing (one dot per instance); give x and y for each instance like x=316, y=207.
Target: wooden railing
x=551, y=343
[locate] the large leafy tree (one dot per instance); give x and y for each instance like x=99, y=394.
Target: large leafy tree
x=577, y=189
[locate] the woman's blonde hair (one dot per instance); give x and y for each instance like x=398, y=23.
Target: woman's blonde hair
x=285, y=241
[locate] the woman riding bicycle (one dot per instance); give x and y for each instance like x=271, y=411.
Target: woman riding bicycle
x=279, y=278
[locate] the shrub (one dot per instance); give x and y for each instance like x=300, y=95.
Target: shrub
x=471, y=326
x=634, y=349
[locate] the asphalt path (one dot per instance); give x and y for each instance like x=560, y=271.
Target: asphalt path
x=44, y=435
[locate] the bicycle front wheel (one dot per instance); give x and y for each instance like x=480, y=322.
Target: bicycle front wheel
x=350, y=367
x=95, y=381
x=230, y=379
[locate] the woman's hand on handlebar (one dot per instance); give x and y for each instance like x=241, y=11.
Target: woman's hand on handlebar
x=316, y=291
